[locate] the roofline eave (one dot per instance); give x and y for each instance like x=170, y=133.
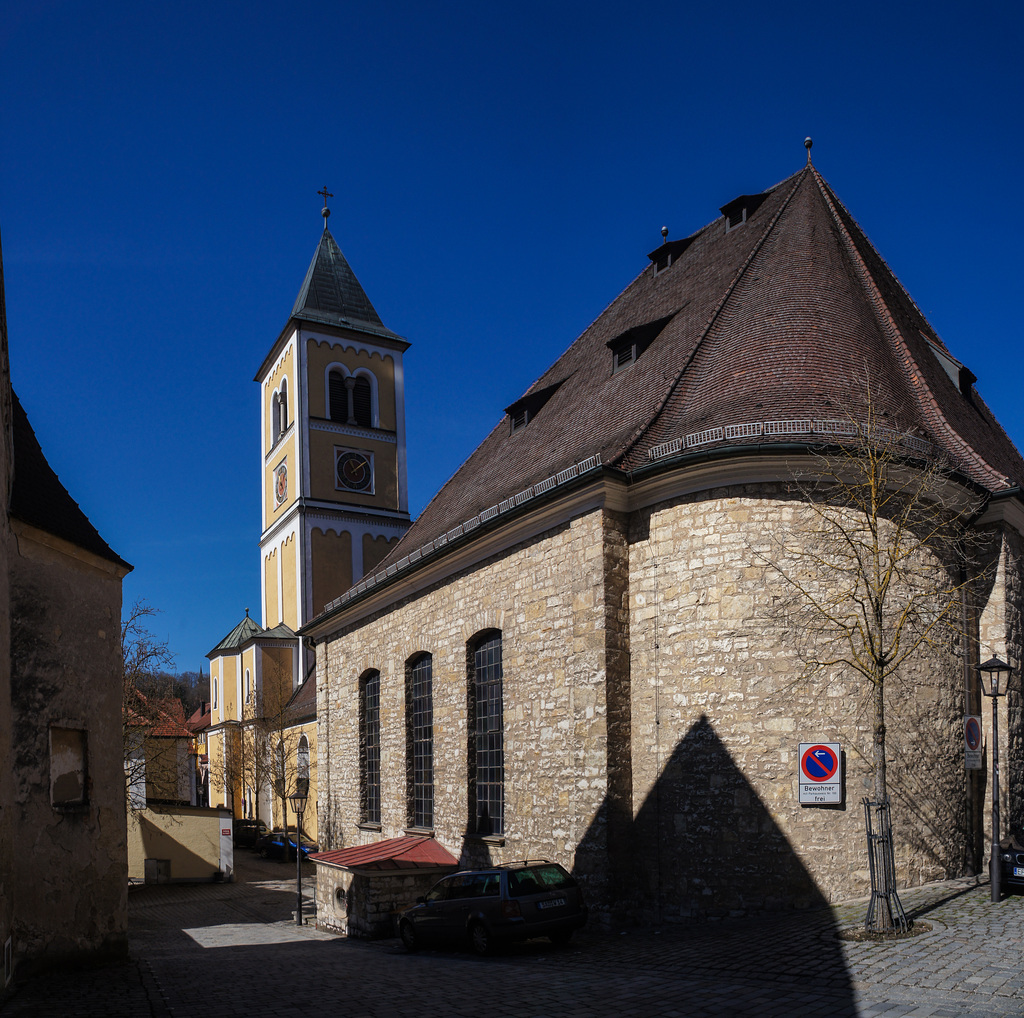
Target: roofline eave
x=610, y=487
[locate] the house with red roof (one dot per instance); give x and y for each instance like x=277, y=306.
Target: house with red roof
x=576, y=651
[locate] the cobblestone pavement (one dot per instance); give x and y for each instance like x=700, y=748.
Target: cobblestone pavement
x=234, y=949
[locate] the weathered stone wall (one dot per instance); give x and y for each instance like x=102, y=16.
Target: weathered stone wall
x=1000, y=635
x=71, y=861
x=655, y=699
x=366, y=905
x=720, y=708
x=548, y=599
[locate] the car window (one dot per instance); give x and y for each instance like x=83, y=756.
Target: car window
x=483, y=885
x=440, y=890
x=536, y=879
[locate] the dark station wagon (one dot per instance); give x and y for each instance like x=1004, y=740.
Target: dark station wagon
x=484, y=907
x=1011, y=861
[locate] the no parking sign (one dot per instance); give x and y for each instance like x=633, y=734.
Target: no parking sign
x=972, y=742
x=821, y=773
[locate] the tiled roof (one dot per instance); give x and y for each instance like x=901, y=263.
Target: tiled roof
x=331, y=294
x=772, y=325
x=407, y=853
x=302, y=705
x=164, y=719
x=39, y=499
x=242, y=633
x=201, y=718
x=278, y=632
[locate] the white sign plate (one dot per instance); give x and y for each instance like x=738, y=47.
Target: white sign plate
x=820, y=773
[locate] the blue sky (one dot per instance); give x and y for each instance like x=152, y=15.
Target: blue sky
x=499, y=172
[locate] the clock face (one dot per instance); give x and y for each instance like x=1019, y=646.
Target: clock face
x=281, y=484
x=354, y=471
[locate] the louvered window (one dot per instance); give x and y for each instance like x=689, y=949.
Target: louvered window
x=519, y=419
x=419, y=698
x=487, y=748
x=623, y=355
x=362, y=403
x=369, y=747
x=338, y=395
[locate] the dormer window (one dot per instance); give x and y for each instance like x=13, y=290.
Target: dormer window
x=668, y=254
x=960, y=375
x=623, y=354
x=526, y=408
x=628, y=346
x=740, y=209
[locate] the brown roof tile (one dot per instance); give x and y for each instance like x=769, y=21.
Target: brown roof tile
x=780, y=318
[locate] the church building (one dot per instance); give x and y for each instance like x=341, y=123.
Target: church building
x=577, y=651
x=333, y=492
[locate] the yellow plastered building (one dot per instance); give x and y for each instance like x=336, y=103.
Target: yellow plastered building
x=334, y=502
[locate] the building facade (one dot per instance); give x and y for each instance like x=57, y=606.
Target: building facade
x=586, y=648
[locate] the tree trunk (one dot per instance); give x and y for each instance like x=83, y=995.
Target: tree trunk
x=881, y=784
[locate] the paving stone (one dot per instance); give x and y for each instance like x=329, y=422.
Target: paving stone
x=234, y=949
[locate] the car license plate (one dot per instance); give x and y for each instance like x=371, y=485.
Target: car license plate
x=1018, y=871
x=551, y=903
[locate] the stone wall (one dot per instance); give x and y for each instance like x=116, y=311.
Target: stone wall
x=547, y=599
x=722, y=700
x=71, y=874
x=656, y=694
x=367, y=905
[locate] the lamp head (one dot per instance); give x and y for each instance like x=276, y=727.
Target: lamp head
x=998, y=674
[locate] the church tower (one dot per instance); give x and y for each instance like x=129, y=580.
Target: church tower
x=333, y=453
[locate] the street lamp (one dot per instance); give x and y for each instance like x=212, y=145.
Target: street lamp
x=298, y=800
x=998, y=673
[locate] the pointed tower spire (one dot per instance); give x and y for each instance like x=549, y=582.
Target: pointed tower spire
x=330, y=293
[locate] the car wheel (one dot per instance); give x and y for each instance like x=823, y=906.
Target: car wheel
x=263, y=853
x=561, y=938
x=408, y=934
x=480, y=940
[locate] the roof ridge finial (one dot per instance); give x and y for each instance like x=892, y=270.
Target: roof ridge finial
x=807, y=145
x=325, y=211
x=246, y=612
x=664, y=235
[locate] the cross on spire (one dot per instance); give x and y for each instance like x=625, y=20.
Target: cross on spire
x=326, y=211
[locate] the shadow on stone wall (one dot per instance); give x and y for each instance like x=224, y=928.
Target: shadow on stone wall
x=704, y=846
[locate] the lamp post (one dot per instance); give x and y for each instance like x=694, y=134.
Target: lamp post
x=298, y=801
x=998, y=673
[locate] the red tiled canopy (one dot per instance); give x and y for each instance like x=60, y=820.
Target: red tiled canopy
x=407, y=853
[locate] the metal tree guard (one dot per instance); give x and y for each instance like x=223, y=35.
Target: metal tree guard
x=885, y=910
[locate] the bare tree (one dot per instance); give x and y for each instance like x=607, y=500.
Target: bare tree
x=878, y=574
x=142, y=656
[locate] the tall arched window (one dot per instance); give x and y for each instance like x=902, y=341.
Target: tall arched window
x=279, y=771
x=283, y=403
x=419, y=701
x=362, y=402
x=302, y=759
x=369, y=747
x=486, y=735
x=337, y=396
x=248, y=686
